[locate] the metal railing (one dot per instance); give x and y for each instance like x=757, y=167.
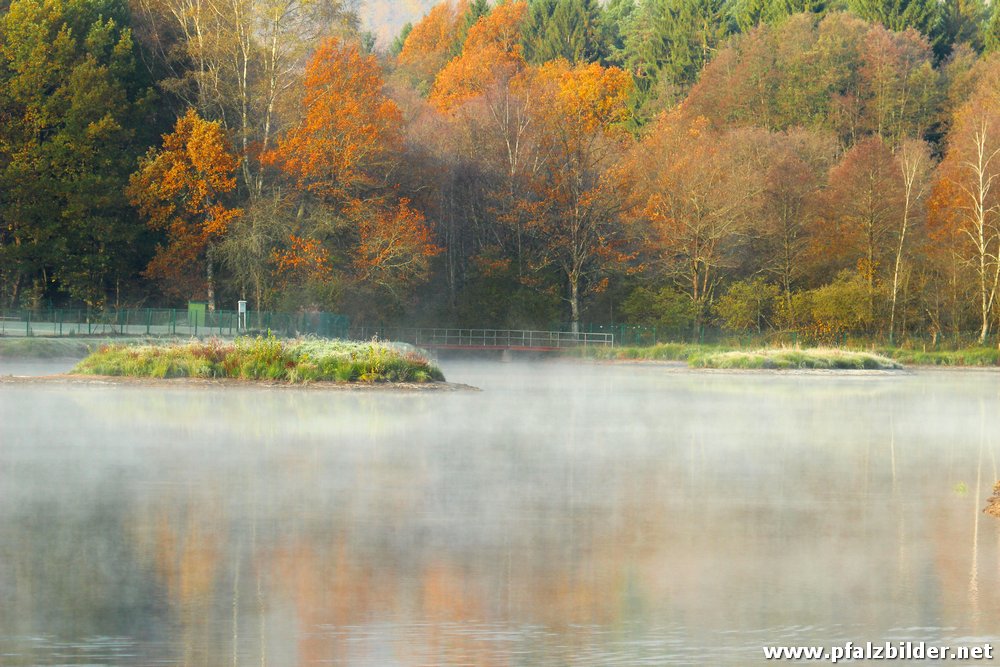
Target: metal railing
x=167, y=322
x=485, y=338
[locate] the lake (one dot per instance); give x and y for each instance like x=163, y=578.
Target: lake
x=568, y=514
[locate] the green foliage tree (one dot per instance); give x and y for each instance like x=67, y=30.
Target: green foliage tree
x=666, y=44
x=924, y=16
x=73, y=98
x=991, y=33
x=748, y=14
x=616, y=21
x=477, y=9
x=367, y=41
x=842, y=305
x=400, y=39
x=665, y=308
x=747, y=305
x=964, y=22
x=568, y=29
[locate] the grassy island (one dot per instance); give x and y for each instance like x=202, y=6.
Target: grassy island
x=261, y=358
x=714, y=356
x=784, y=359
x=722, y=356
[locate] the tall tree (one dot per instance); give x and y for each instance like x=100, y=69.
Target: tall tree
x=790, y=205
x=573, y=215
x=670, y=41
x=72, y=101
x=748, y=14
x=991, y=32
x=181, y=189
x=616, y=23
x=913, y=159
x=476, y=10
x=697, y=190
x=568, y=29
x=964, y=22
x=864, y=195
x=966, y=198
x=492, y=52
x=346, y=142
x=400, y=40
x=839, y=74
x=428, y=46
x=340, y=156
x=234, y=60
x=924, y=16
x=900, y=87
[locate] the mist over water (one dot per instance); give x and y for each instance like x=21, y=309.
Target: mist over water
x=578, y=514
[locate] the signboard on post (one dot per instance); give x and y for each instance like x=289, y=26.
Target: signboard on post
x=241, y=311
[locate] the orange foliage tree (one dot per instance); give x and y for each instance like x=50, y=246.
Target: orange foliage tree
x=340, y=156
x=395, y=247
x=428, y=47
x=965, y=203
x=492, y=53
x=573, y=208
x=180, y=189
x=697, y=193
x=304, y=259
x=347, y=138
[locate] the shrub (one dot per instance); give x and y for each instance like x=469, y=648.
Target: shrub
x=747, y=306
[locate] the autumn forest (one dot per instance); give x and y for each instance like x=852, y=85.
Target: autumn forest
x=752, y=165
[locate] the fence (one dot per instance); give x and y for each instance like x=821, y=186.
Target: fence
x=636, y=335
x=485, y=338
x=166, y=322
x=199, y=323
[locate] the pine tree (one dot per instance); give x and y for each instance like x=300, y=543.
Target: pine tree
x=400, y=39
x=749, y=13
x=477, y=9
x=963, y=22
x=991, y=35
x=615, y=21
x=567, y=29
x=536, y=28
x=924, y=16
x=669, y=41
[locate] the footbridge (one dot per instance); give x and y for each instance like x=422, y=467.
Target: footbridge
x=522, y=340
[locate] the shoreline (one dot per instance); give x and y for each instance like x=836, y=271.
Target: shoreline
x=683, y=365
x=68, y=379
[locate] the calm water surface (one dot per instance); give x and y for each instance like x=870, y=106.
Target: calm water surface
x=566, y=515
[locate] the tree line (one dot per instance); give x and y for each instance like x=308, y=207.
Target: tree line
x=754, y=164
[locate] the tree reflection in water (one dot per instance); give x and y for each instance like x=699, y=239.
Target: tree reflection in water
x=566, y=515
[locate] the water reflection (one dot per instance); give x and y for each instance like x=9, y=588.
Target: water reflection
x=566, y=515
